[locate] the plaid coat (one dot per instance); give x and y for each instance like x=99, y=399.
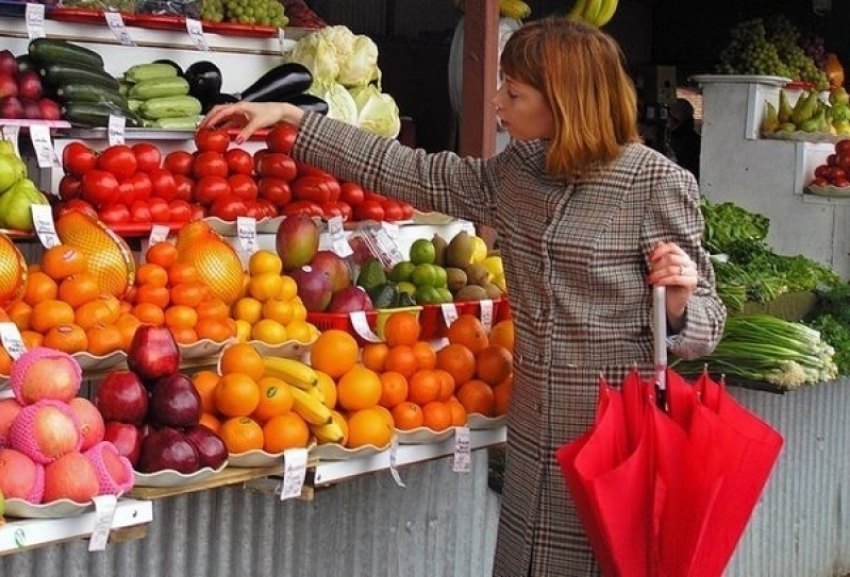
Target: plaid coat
x=575, y=258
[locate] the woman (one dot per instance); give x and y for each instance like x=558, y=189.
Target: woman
x=588, y=220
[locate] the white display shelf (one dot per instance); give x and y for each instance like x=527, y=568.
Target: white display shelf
x=19, y=535
x=328, y=472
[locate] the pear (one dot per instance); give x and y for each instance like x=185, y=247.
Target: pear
x=16, y=203
x=12, y=169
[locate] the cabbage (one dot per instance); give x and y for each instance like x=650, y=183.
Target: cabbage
x=318, y=55
x=376, y=112
x=361, y=66
x=341, y=105
x=335, y=54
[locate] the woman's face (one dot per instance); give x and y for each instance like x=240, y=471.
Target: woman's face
x=522, y=111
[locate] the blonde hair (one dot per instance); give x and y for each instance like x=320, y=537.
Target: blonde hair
x=581, y=73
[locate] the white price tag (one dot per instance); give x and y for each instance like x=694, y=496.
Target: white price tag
x=42, y=220
x=116, y=23
x=281, y=37
x=388, y=245
x=486, y=306
x=35, y=20
x=104, y=515
x=11, y=339
x=450, y=313
x=339, y=242
x=246, y=229
x=462, y=462
x=393, y=461
x=43, y=146
x=294, y=473
x=159, y=233
x=361, y=326
x=10, y=134
x=196, y=33
x=116, y=128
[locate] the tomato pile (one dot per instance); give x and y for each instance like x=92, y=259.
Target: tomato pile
x=139, y=184
x=836, y=170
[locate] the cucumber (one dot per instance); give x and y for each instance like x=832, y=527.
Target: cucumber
x=50, y=51
x=159, y=87
x=90, y=93
x=170, y=107
x=149, y=71
x=95, y=114
x=59, y=74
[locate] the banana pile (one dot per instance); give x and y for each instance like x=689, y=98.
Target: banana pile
x=596, y=12
x=157, y=93
x=308, y=399
x=516, y=9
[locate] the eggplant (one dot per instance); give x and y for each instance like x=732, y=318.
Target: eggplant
x=279, y=84
x=170, y=63
x=220, y=98
x=309, y=103
x=205, y=81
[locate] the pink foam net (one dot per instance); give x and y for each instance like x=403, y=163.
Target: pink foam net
x=36, y=492
x=24, y=363
x=22, y=432
x=108, y=484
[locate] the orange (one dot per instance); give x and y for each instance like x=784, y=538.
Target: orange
x=184, y=335
x=183, y=272
x=358, y=388
x=5, y=362
x=66, y=337
x=241, y=434
x=374, y=356
x=278, y=310
x=189, y=294
x=265, y=286
x=468, y=330
x=264, y=261
x=112, y=302
x=288, y=288
x=205, y=382
x=407, y=415
x=61, y=261
x=32, y=339
x=40, y=287
x=426, y=356
x=368, y=427
x=458, y=411
x=152, y=274
x=286, y=431
x=401, y=328
x=210, y=421
x=94, y=313
x=477, y=397
x=458, y=361
x=493, y=364
x=149, y=314
x=502, y=334
x=213, y=308
x=247, y=309
x=402, y=359
x=79, y=289
x=104, y=339
x=299, y=311
x=387, y=414
x=437, y=416
x=502, y=396
x=328, y=387
x=275, y=399
x=394, y=389
x=236, y=395
x=181, y=316
x=163, y=254
x=19, y=313
x=215, y=329
x=334, y=352
x=49, y=313
x=269, y=331
x=447, y=384
x=424, y=386
x=302, y=331
x=242, y=358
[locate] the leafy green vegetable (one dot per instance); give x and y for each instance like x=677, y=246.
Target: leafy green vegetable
x=835, y=332
x=727, y=224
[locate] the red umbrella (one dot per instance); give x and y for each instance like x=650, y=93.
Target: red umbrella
x=668, y=492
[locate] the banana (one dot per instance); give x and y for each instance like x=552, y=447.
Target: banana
x=318, y=393
x=609, y=7
x=577, y=10
x=328, y=433
x=591, y=11
x=309, y=407
x=292, y=371
x=516, y=9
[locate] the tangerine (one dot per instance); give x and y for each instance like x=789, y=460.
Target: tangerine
x=127, y=323
x=359, y=388
x=181, y=316
x=437, y=416
x=424, y=386
x=61, y=261
x=275, y=399
x=5, y=362
x=241, y=434
x=210, y=421
x=205, y=382
x=502, y=334
x=334, y=352
x=374, y=356
x=476, y=396
x=162, y=253
x=288, y=288
x=183, y=272
x=236, y=395
x=502, y=396
x=402, y=328
x=286, y=431
x=213, y=308
x=242, y=358
x=407, y=415
x=215, y=329
x=458, y=361
x=279, y=310
x=493, y=364
x=247, y=309
x=269, y=331
x=32, y=339
x=302, y=331
x=394, y=389
x=265, y=286
x=40, y=287
x=401, y=359
x=152, y=274
x=188, y=294
x=149, y=314
x=19, y=313
x=426, y=356
x=66, y=337
x=368, y=427
x=49, y=313
x=104, y=339
x=264, y=261
x=79, y=289
x=184, y=335
x=459, y=416
x=447, y=384
x=95, y=312
x=468, y=330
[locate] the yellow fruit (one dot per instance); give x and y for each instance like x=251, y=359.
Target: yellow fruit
x=247, y=309
x=269, y=331
x=265, y=286
x=302, y=331
x=243, y=330
x=479, y=249
x=264, y=261
x=288, y=288
x=279, y=310
x=494, y=265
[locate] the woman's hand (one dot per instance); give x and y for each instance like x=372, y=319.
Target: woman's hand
x=251, y=116
x=670, y=266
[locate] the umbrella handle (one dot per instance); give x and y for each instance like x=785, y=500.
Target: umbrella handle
x=659, y=322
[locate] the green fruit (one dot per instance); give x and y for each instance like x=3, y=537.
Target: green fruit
x=16, y=203
x=401, y=271
x=407, y=288
x=427, y=295
x=371, y=274
x=12, y=169
x=441, y=277
x=7, y=148
x=424, y=275
x=445, y=295
x=422, y=252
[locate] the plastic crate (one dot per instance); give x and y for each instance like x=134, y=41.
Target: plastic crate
x=434, y=323
x=342, y=321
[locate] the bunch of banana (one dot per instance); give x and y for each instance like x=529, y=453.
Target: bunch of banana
x=516, y=9
x=596, y=12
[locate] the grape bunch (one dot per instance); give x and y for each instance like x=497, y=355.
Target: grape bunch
x=815, y=48
x=212, y=11
x=250, y=12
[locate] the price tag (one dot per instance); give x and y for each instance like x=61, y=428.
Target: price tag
x=10, y=134
x=35, y=20
x=196, y=33
x=294, y=473
x=339, y=242
x=12, y=341
x=449, y=313
x=43, y=146
x=281, y=37
x=393, y=462
x=116, y=129
x=486, y=306
x=42, y=219
x=361, y=326
x=246, y=230
x=462, y=462
x=159, y=233
x=104, y=516
x=116, y=23
x=388, y=245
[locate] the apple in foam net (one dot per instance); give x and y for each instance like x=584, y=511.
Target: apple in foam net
x=122, y=397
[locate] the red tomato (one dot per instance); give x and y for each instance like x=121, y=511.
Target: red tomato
x=822, y=171
x=254, y=209
x=351, y=193
x=140, y=211
x=78, y=159
x=160, y=212
x=179, y=162
x=836, y=173
x=184, y=187
x=371, y=195
x=69, y=187
x=269, y=208
x=820, y=181
x=275, y=190
x=142, y=185
x=119, y=160
x=148, y=156
x=305, y=207
x=841, y=182
x=126, y=192
x=369, y=209
x=239, y=161
x=392, y=210
x=77, y=204
x=260, y=154
x=281, y=138
x=843, y=160
x=115, y=214
x=316, y=188
x=338, y=208
x=278, y=165
x=209, y=188
x=832, y=159
x=100, y=188
x=243, y=186
x=212, y=139
x=228, y=207
x=197, y=211
x=163, y=184
x=180, y=211
x=406, y=210
x=209, y=163
x=305, y=169
x=842, y=146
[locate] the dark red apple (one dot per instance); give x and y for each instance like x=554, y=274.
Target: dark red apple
x=335, y=268
x=122, y=397
x=153, y=353
x=8, y=63
x=175, y=402
x=212, y=451
x=127, y=438
x=314, y=288
x=32, y=110
x=10, y=107
x=168, y=448
x=8, y=85
x=350, y=299
x=29, y=85
x=49, y=109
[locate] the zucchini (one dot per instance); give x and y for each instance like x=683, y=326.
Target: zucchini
x=95, y=114
x=90, y=93
x=60, y=74
x=189, y=123
x=159, y=87
x=170, y=107
x=149, y=71
x=50, y=51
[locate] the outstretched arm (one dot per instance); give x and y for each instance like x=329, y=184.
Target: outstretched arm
x=251, y=116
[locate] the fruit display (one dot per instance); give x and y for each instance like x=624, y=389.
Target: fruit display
x=263, y=13
x=809, y=113
x=596, y=12
x=835, y=171
x=17, y=192
x=22, y=93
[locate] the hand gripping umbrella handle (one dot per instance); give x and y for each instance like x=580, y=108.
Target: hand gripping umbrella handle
x=659, y=322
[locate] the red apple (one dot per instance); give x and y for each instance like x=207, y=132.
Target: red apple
x=126, y=437
x=122, y=397
x=10, y=107
x=153, y=353
x=8, y=85
x=49, y=109
x=32, y=111
x=29, y=85
x=8, y=63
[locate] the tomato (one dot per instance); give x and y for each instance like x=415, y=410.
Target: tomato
x=254, y=209
x=119, y=160
x=148, y=156
x=209, y=188
x=228, y=207
x=243, y=186
x=842, y=146
x=820, y=181
x=841, y=182
x=836, y=173
x=275, y=190
x=269, y=208
x=163, y=184
x=78, y=159
x=369, y=209
x=306, y=169
x=209, y=163
x=392, y=210
x=115, y=214
x=140, y=211
x=406, y=210
x=180, y=211
x=281, y=138
x=126, y=192
x=338, y=208
x=99, y=187
x=179, y=162
x=305, y=207
x=260, y=154
x=318, y=188
x=822, y=171
x=197, y=211
x=160, y=212
x=239, y=161
x=69, y=187
x=278, y=165
x=77, y=204
x=212, y=139
x=184, y=186
x=371, y=195
x=832, y=159
x=142, y=185
x=843, y=160
x=351, y=193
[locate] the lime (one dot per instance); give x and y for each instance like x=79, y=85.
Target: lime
x=441, y=278
x=426, y=295
x=444, y=294
x=401, y=271
x=424, y=275
x=422, y=251
x=407, y=287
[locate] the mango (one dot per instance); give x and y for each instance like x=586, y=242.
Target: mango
x=297, y=241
